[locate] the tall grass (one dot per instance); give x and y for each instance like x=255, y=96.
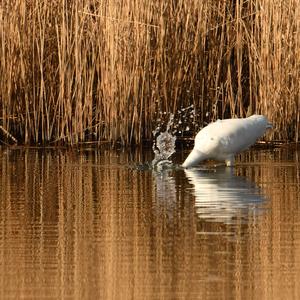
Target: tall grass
x=91, y=70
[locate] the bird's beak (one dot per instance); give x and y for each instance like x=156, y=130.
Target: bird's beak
x=193, y=159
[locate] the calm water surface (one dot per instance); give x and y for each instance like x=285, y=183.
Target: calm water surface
x=89, y=224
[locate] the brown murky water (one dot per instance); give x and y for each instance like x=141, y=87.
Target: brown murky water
x=86, y=225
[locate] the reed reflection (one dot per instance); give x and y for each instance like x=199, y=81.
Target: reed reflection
x=86, y=225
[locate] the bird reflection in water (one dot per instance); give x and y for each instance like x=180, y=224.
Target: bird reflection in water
x=221, y=196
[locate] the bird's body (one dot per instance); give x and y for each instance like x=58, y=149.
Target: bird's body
x=222, y=139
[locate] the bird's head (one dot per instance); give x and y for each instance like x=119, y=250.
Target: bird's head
x=194, y=158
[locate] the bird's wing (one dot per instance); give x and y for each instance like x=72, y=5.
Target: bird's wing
x=239, y=134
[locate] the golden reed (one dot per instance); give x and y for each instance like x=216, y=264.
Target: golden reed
x=91, y=70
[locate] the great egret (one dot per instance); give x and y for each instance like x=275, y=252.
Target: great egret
x=222, y=139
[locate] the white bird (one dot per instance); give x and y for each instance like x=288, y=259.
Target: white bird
x=222, y=139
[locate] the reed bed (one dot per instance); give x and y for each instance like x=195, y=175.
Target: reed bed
x=80, y=71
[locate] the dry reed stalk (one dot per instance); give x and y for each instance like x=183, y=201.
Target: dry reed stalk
x=8, y=135
x=100, y=70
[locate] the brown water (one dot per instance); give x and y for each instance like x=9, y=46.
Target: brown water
x=88, y=225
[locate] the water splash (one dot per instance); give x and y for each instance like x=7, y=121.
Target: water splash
x=164, y=145
x=181, y=124
x=185, y=121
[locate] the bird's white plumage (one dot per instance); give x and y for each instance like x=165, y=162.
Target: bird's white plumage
x=222, y=139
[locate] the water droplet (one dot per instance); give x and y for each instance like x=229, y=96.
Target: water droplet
x=164, y=145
